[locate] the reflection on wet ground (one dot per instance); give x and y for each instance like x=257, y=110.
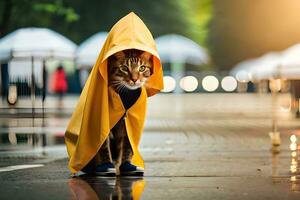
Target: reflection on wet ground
x=212, y=146
x=102, y=188
x=295, y=168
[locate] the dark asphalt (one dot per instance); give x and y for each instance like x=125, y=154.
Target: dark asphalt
x=195, y=147
x=53, y=181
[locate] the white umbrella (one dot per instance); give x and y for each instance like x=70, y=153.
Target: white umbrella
x=285, y=64
x=291, y=56
x=174, y=48
x=36, y=42
x=88, y=50
x=241, y=71
x=290, y=63
x=267, y=67
x=178, y=51
x=32, y=44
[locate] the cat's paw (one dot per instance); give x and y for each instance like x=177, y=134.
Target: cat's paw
x=106, y=169
x=128, y=169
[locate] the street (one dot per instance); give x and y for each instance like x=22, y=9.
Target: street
x=195, y=146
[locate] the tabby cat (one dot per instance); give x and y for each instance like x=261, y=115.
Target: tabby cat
x=128, y=71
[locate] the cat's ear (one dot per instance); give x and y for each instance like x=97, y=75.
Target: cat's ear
x=119, y=55
x=145, y=55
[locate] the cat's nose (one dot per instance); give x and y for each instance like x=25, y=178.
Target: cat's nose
x=134, y=80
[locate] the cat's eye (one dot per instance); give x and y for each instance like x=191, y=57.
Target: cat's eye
x=142, y=68
x=124, y=68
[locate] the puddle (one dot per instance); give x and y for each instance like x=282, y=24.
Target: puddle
x=87, y=187
x=294, y=165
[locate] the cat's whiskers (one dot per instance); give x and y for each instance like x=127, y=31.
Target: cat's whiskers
x=125, y=70
x=115, y=84
x=120, y=87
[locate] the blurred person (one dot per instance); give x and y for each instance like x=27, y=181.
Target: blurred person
x=59, y=82
x=107, y=124
x=4, y=80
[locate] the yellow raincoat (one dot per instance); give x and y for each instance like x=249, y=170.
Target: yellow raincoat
x=82, y=189
x=100, y=107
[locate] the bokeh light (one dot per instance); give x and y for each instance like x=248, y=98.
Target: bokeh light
x=169, y=84
x=229, y=83
x=189, y=83
x=294, y=154
x=210, y=83
x=293, y=138
x=275, y=85
x=293, y=146
x=293, y=179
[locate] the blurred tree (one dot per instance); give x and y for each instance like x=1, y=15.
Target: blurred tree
x=246, y=29
x=79, y=19
x=165, y=16
x=21, y=13
x=200, y=16
x=57, y=8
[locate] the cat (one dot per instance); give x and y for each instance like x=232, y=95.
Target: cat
x=128, y=72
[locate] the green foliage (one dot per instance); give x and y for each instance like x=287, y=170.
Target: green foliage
x=200, y=17
x=57, y=8
x=78, y=19
x=165, y=16
x=41, y=13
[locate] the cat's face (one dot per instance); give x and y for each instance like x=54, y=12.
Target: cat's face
x=129, y=68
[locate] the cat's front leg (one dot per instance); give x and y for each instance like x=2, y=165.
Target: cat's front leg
x=104, y=152
x=127, y=152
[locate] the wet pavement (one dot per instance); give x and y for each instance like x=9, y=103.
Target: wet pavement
x=196, y=146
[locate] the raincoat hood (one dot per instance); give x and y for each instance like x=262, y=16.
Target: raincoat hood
x=100, y=107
